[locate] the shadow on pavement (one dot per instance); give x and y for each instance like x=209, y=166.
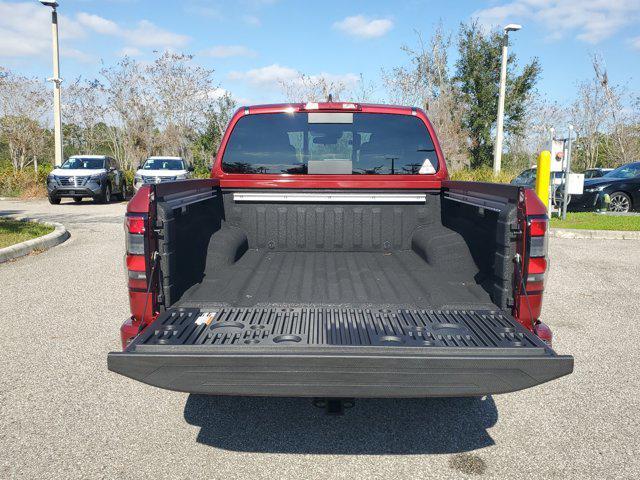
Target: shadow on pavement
x=82, y=213
x=372, y=426
x=10, y=212
x=87, y=201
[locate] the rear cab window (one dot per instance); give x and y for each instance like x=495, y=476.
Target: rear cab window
x=326, y=143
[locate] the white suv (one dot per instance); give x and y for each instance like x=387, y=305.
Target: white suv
x=161, y=169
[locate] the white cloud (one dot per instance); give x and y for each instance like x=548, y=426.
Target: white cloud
x=98, y=24
x=25, y=30
x=252, y=20
x=269, y=76
x=635, y=43
x=227, y=51
x=130, y=52
x=79, y=55
x=272, y=76
x=349, y=80
x=590, y=21
x=204, y=11
x=144, y=34
x=364, y=27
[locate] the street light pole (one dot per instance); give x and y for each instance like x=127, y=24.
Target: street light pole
x=497, y=152
x=57, y=115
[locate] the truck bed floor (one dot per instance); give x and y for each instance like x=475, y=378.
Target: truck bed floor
x=344, y=278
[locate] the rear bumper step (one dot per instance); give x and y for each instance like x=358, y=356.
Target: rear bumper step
x=336, y=352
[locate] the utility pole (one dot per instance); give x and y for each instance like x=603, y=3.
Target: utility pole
x=497, y=152
x=57, y=115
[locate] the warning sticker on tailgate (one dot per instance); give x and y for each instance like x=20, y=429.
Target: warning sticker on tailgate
x=205, y=318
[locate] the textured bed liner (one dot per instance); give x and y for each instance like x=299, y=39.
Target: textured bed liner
x=325, y=326
x=395, y=278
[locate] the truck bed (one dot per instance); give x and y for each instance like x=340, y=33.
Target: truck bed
x=343, y=278
x=338, y=352
x=337, y=294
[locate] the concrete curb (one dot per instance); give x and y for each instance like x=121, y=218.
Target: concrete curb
x=45, y=242
x=595, y=234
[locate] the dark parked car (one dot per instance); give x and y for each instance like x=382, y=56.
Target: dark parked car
x=622, y=185
x=94, y=176
x=596, y=172
x=527, y=178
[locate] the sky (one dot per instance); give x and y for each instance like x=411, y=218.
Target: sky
x=253, y=44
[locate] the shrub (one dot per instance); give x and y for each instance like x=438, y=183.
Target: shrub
x=25, y=184
x=483, y=174
x=128, y=178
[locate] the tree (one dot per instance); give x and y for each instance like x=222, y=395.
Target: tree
x=84, y=113
x=159, y=108
x=621, y=143
x=427, y=83
x=313, y=88
x=208, y=141
x=131, y=111
x=607, y=121
x=183, y=98
x=477, y=80
x=541, y=116
x=588, y=116
x=24, y=105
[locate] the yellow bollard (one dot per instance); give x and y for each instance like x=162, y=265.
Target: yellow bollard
x=543, y=175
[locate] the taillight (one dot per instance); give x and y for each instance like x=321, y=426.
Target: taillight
x=531, y=262
x=529, y=302
x=537, y=265
x=538, y=227
x=537, y=254
x=135, y=225
x=136, y=263
x=135, y=260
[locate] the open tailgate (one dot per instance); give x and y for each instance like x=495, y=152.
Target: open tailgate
x=338, y=352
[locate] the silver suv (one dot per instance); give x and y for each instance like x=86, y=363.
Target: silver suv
x=94, y=176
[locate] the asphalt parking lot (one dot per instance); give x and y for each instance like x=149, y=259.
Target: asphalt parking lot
x=65, y=416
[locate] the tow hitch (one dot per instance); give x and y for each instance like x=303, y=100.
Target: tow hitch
x=334, y=406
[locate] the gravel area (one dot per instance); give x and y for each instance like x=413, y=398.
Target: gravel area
x=65, y=416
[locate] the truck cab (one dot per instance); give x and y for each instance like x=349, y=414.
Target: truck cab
x=329, y=255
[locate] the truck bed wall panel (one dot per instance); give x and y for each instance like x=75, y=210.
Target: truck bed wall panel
x=330, y=227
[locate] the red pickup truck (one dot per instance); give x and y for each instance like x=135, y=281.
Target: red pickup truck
x=330, y=256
